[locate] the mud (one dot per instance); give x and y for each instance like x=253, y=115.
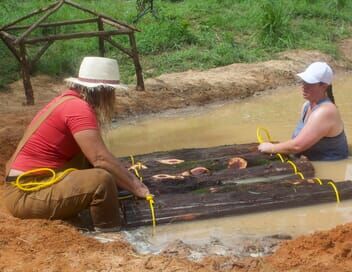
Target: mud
x=40, y=245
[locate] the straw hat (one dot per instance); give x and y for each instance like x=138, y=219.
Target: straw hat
x=98, y=71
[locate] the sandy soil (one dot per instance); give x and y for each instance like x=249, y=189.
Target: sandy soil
x=39, y=245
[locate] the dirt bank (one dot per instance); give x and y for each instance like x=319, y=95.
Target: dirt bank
x=38, y=245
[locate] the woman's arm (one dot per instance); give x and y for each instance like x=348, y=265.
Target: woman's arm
x=95, y=150
x=319, y=124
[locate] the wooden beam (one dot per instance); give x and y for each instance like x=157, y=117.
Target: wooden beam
x=61, y=23
x=137, y=65
x=40, y=53
x=111, y=23
x=76, y=35
x=29, y=15
x=35, y=25
x=8, y=36
x=11, y=48
x=101, y=39
x=100, y=15
x=26, y=75
x=113, y=43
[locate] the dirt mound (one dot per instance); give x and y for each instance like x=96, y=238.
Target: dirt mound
x=39, y=245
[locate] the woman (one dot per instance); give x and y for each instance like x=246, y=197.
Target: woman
x=70, y=125
x=319, y=134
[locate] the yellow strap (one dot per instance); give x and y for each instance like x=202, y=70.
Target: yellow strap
x=336, y=191
x=37, y=185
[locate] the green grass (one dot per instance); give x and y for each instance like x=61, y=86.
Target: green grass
x=189, y=34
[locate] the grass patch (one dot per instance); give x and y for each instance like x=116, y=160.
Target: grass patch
x=189, y=34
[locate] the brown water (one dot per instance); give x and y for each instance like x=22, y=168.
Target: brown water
x=236, y=122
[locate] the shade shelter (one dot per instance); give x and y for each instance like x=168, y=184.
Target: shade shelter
x=18, y=43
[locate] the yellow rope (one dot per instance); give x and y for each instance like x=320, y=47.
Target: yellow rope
x=150, y=199
x=259, y=136
x=300, y=175
x=318, y=180
x=37, y=185
x=135, y=169
x=293, y=165
x=336, y=191
x=281, y=157
x=295, y=169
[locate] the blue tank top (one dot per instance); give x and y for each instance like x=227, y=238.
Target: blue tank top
x=327, y=148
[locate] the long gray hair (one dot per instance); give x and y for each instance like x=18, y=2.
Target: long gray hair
x=101, y=99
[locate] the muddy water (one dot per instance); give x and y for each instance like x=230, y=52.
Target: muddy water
x=236, y=122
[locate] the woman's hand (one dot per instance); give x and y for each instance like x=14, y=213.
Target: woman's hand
x=142, y=191
x=266, y=148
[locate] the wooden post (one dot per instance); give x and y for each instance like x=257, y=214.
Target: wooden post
x=137, y=65
x=26, y=76
x=101, y=39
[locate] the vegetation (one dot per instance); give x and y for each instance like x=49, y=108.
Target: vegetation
x=190, y=34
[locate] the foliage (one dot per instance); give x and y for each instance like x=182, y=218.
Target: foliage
x=273, y=24
x=188, y=34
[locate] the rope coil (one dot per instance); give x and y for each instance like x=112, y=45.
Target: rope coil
x=38, y=185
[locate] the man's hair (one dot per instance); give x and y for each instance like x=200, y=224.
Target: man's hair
x=101, y=99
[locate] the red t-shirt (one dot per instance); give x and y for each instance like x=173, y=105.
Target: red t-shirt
x=52, y=144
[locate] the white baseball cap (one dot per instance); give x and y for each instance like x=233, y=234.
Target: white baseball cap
x=98, y=71
x=317, y=72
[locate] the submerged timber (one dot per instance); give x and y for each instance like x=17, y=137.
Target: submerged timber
x=202, y=183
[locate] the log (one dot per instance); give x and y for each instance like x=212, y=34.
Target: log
x=265, y=183
x=232, y=200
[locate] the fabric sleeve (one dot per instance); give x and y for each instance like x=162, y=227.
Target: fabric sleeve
x=79, y=116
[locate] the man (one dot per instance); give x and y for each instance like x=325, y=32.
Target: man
x=68, y=126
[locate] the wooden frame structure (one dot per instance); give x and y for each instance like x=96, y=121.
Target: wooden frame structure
x=17, y=44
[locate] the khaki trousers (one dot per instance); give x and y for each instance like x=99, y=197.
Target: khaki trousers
x=89, y=188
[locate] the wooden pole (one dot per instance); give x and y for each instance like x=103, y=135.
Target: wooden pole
x=35, y=25
x=26, y=75
x=101, y=39
x=76, y=35
x=115, y=44
x=39, y=54
x=11, y=48
x=29, y=15
x=137, y=65
x=100, y=15
x=62, y=23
